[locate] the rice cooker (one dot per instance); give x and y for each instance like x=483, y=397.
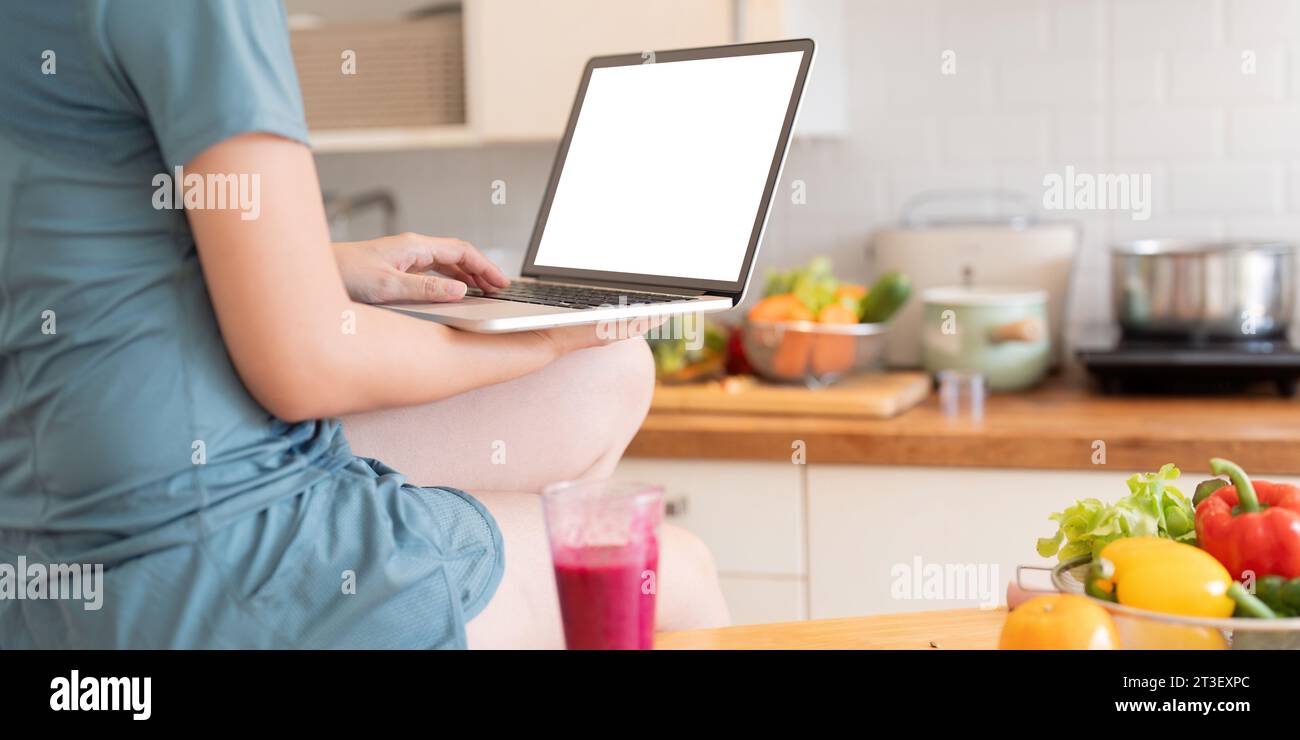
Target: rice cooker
x=1001, y=245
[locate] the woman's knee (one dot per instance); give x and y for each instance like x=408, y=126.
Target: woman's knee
x=613, y=384
x=621, y=375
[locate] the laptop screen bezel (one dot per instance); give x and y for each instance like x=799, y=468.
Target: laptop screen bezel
x=718, y=287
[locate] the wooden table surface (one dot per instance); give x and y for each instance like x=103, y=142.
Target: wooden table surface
x=960, y=629
x=1052, y=427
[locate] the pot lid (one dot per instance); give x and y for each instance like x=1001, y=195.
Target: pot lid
x=1194, y=246
x=957, y=295
x=967, y=207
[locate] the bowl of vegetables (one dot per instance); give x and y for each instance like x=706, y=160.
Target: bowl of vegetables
x=1215, y=570
x=811, y=328
x=688, y=349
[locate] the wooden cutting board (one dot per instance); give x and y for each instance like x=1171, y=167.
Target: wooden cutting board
x=957, y=629
x=872, y=395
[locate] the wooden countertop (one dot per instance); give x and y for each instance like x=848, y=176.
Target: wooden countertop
x=960, y=629
x=1052, y=427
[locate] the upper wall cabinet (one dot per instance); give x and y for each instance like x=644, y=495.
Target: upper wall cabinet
x=523, y=58
x=824, y=111
x=522, y=61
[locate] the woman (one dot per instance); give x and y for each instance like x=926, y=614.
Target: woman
x=169, y=376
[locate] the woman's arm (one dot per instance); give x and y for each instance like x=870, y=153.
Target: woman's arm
x=301, y=346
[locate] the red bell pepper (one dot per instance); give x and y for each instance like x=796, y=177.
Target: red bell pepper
x=1251, y=526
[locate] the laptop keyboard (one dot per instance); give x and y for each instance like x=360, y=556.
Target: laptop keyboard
x=573, y=296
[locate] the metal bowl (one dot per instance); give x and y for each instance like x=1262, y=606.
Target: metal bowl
x=1203, y=290
x=811, y=353
x=1143, y=629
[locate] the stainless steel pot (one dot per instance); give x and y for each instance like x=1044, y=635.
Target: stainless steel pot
x=1203, y=290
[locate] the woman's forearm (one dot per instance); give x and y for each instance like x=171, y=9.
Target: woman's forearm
x=393, y=360
x=301, y=346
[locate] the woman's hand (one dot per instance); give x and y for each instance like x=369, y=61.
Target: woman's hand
x=566, y=339
x=389, y=270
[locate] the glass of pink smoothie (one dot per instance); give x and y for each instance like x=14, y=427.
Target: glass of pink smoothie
x=604, y=538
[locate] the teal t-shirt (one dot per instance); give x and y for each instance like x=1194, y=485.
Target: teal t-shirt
x=126, y=437
x=123, y=425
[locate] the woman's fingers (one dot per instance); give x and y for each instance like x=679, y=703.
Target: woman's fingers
x=455, y=258
x=457, y=254
x=458, y=274
x=407, y=287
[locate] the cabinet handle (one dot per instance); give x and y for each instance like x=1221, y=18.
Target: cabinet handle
x=675, y=507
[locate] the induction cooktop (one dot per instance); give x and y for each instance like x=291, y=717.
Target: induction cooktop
x=1125, y=364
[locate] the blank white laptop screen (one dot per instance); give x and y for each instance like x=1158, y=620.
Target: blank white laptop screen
x=667, y=166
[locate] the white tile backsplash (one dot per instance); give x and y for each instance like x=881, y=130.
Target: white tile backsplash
x=1262, y=21
x=1226, y=188
x=1156, y=24
x=1137, y=79
x=1048, y=80
x=1173, y=132
x=1113, y=86
x=1218, y=76
x=1267, y=131
x=994, y=137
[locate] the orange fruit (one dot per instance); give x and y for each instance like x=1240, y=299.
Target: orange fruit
x=837, y=313
x=834, y=353
x=776, y=307
x=1059, y=622
x=798, y=312
x=850, y=291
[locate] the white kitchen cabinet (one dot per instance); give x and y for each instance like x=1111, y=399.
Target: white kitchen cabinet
x=824, y=112
x=524, y=59
x=757, y=600
x=751, y=515
x=880, y=537
x=825, y=541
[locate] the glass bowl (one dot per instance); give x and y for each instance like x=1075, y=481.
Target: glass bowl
x=811, y=353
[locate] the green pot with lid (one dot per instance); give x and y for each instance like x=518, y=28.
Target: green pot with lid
x=1000, y=332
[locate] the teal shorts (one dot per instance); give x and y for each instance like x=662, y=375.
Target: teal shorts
x=359, y=560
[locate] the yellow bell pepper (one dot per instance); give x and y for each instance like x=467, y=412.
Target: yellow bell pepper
x=1164, y=576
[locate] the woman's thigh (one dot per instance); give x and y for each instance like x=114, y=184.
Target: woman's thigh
x=571, y=419
x=525, y=612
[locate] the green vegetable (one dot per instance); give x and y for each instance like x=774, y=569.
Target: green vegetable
x=1280, y=594
x=1205, y=488
x=1100, y=570
x=1153, y=508
x=1249, y=605
x=778, y=282
x=672, y=353
x=814, y=285
x=884, y=298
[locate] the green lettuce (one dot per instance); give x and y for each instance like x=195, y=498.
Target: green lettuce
x=1153, y=508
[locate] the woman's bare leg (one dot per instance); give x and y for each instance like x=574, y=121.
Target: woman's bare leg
x=524, y=613
x=570, y=420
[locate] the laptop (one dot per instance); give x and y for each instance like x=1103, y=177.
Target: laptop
x=659, y=194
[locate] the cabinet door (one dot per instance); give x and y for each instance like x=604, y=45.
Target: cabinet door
x=896, y=539
x=824, y=112
x=524, y=58
x=755, y=600
x=750, y=514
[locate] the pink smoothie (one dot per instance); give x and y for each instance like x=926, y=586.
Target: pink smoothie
x=603, y=598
